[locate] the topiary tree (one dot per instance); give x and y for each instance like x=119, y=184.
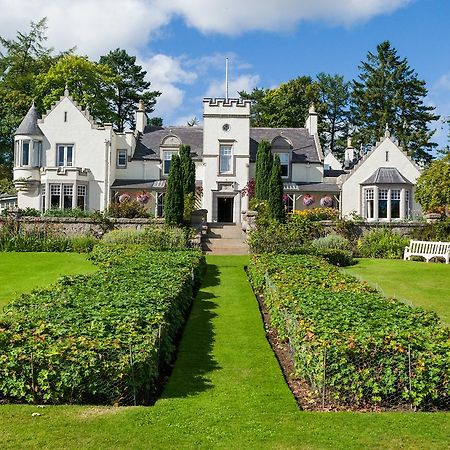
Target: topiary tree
x=264, y=161
x=276, y=206
x=187, y=169
x=174, y=200
x=433, y=187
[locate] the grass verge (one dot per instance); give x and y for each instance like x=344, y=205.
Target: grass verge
x=417, y=283
x=226, y=391
x=23, y=272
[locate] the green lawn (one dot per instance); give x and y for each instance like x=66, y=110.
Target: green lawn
x=226, y=391
x=417, y=283
x=22, y=272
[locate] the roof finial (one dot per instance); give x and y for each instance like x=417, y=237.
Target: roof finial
x=312, y=109
x=349, y=142
x=66, y=90
x=387, y=133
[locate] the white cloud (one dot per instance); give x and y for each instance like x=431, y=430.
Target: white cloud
x=97, y=26
x=165, y=73
x=216, y=88
x=234, y=17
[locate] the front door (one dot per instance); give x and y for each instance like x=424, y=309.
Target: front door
x=225, y=209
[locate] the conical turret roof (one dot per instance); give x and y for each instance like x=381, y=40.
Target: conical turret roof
x=29, y=125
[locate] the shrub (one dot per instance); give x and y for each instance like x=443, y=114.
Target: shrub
x=351, y=345
x=29, y=212
x=283, y=238
x=128, y=209
x=331, y=241
x=153, y=237
x=99, y=338
x=437, y=231
x=337, y=257
x=382, y=243
x=315, y=214
x=42, y=238
x=76, y=213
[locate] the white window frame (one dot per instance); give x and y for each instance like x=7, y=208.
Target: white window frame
x=122, y=153
x=226, y=147
x=286, y=163
x=167, y=156
x=65, y=161
x=81, y=193
x=369, y=203
x=21, y=152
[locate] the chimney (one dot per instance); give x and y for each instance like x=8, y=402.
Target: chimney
x=311, y=121
x=350, y=154
x=141, y=117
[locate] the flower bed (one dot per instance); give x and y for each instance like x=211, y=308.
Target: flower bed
x=354, y=347
x=99, y=338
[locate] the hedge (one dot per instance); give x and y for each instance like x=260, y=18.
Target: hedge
x=354, y=347
x=100, y=338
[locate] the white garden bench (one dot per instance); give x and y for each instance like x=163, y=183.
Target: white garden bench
x=428, y=250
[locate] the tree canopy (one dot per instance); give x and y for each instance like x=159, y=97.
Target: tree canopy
x=127, y=88
x=433, y=186
x=389, y=91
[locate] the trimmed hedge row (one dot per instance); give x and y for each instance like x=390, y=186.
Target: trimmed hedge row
x=99, y=338
x=353, y=346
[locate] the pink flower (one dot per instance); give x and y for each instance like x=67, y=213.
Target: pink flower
x=143, y=198
x=308, y=200
x=125, y=197
x=326, y=201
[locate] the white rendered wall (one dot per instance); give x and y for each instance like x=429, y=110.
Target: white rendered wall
x=307, y=173
x=217, y=113
x=351, y=188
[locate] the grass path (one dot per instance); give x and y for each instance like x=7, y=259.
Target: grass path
x=226, y=391
x=422, y=284
x=25, y=271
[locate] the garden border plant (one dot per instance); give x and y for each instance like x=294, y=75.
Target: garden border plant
x=100, y=338
x=353, y=347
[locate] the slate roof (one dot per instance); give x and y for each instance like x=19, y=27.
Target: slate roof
x=303, y=145
x=133, y=184
x=386, y=175
x=148, y=143
x=29, y=125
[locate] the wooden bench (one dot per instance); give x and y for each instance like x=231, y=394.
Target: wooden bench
x=428, y=250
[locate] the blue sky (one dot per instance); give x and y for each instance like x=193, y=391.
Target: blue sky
x=183, y=44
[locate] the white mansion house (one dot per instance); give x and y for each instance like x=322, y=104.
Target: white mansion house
x=66, y=160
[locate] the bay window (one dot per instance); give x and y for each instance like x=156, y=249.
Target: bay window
x=64, y=196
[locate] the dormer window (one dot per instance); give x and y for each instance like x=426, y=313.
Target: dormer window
x=64, y=155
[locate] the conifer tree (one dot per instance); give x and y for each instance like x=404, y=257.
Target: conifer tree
x=276, y=206
x=389, y=92
x=187, y=169
x=174, y=200
x=264, y=162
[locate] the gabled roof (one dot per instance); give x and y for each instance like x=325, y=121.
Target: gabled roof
x=361, y=160
x=29, y=125
x=386, y=175
x=148, y=143
x=303, y=146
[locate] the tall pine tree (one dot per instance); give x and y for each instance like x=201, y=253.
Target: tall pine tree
x=276, y=206
x=264, y=162
x=389, y=92
x=174, y=200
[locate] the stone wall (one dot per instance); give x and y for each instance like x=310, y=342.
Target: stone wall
x=73, y=226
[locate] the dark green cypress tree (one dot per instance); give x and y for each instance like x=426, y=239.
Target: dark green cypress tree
x=264, y=162
x=174, y=200
x=187, y=169
x=389, y=92
x=276, y=206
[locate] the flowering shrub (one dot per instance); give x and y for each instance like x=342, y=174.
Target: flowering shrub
x=316, y=214
x=308, y=199
x=326, y=201
x=249, y=189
